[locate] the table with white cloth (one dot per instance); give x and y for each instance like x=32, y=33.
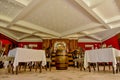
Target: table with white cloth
x=27, y=55
x=101, y=55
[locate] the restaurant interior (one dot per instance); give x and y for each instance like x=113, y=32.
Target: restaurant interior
x=59, y=39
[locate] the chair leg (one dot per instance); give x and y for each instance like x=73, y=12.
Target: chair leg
x=25, y=66
x=12, y=68
x=109, y=66
x=80, y=64
x=19, y=67
x=46, y=67
x=40, y=67
x=16, y=70
x=89, y=67
x=94, y=66
x=30, y=66
x=97, y=66
x=35, y=66
x=9, y=66
x=103, y=66
x=50, y=66
x=75, y=64
x=119, y=67
x=113, y=70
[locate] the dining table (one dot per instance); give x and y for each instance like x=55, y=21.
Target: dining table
x=101, y=55
x=27, y=55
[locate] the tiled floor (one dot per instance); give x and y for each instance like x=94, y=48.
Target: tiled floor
x=69, y=74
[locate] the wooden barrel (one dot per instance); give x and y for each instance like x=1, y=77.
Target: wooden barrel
x=61, y=61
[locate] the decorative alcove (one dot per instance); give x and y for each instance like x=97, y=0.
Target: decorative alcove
x=70, y=45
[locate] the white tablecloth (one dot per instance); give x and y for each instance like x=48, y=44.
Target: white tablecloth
x=101, y=55
x=27, y=55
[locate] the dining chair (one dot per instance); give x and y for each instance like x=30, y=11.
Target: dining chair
x=81, y=63
x=38, y=65
x=10, y=64
x=49, y=62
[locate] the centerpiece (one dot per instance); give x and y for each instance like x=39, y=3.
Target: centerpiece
x=61, y=60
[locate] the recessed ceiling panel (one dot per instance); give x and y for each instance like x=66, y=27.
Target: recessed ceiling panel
x=22, y=29
x=107, y=33
x=59, y=15
x=94, y=30
x=115, y=24
x=86, y=20
x=44, y=35
x=91, y=3
x=3, y=24
x=13, y=32
x=107, y=9
x=24, y=2
x=10, y=9
x=75, y=35
x=31, y=39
